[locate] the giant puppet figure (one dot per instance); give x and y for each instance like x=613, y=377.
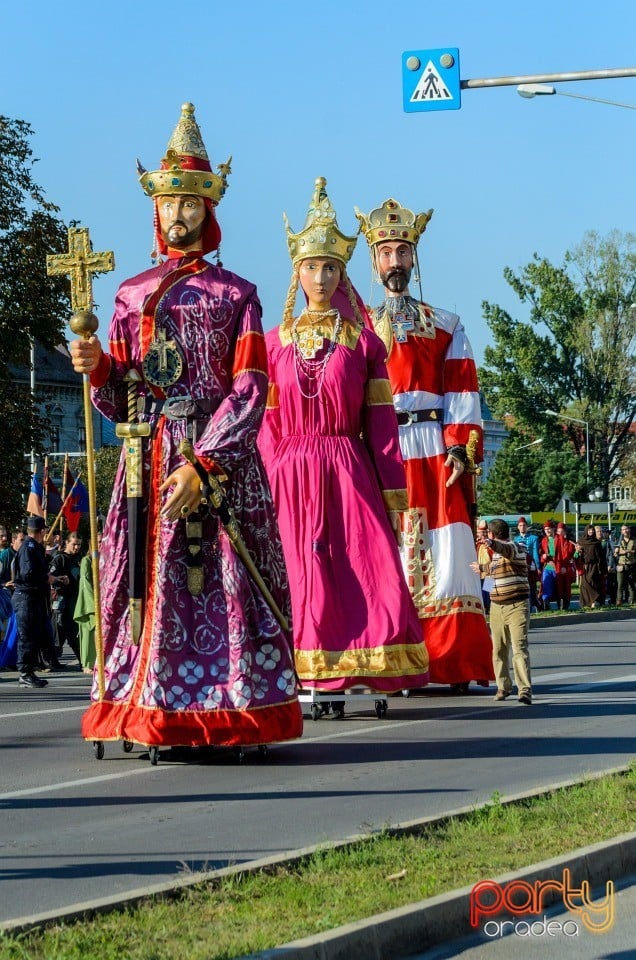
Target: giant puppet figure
x=434, y=384
x=329, y=440
x=194, y=654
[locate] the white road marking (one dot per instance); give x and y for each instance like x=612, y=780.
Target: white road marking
x=372, y=727
x=40, y=713
x=583, y=687
x=543, y=673
x=69, y=784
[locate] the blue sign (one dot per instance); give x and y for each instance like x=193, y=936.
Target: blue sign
x=430, y=80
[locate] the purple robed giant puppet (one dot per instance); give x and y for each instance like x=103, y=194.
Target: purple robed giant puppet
x=211, y=664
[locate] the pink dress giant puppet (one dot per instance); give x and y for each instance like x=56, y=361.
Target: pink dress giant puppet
x=330, y=444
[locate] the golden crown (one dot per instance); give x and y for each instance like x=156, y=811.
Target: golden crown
x=186, y=166
x=392, y=222
x=320, y=237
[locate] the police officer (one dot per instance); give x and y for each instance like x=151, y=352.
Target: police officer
x=31, y=590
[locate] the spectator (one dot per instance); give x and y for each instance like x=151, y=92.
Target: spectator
x=84, y=613
x=31, y=588
x=594, y=568
x=8, y=634
x=484, y=556
x=4, y=539
x=509, y=612
x=531, y=543
x=565, y=552
x=611, y=586
x=547, y=550
x=65, y=569
x=625, y=554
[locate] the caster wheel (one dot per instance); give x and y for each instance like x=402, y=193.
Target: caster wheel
x=263, y=752
x=380, y=709
x=239, y=754
x=316, y=712
x=98, y=749
x=127, y=746
x=153, y=754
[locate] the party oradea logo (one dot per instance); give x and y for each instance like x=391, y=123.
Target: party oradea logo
x=526, y=903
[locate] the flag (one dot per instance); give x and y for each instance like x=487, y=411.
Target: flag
x=52, y=498
x=34, y=503
x=76, y=503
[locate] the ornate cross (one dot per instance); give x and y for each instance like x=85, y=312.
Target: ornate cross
x=401, y=324
x=310, y=342
x=80, y=263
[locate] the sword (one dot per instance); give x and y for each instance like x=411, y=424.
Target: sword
x=474, y=471
x=218, y=500
x=133, y=433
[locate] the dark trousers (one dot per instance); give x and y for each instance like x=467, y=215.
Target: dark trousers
x=626, y=582
x=66, y=630
x=33, y=629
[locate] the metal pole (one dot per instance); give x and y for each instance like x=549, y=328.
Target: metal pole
x=587, y=453
x=33, y=461
x=548, y=78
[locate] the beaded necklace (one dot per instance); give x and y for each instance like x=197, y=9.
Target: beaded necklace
x=307, y=345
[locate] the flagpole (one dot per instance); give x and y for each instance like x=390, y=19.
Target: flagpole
x=45, y=489
x=64, y=489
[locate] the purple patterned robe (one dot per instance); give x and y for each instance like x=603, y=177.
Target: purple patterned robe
x=214, y=668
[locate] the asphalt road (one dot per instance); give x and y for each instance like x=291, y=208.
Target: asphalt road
x=75, y=828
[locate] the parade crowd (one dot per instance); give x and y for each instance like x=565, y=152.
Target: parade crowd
x=46, y=601
x=339, y=454
x=603, y=565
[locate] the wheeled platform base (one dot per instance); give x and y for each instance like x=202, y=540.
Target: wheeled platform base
x=237, y=753
x=323, y=704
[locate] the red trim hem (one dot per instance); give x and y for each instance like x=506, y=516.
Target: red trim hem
x=105, y=720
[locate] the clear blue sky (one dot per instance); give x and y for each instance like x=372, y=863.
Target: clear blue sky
x=294, y=90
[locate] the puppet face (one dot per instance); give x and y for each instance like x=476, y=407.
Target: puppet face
x=394, y=260
x=181, y=219
x=319, y=278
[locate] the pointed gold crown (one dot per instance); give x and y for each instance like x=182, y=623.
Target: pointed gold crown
x=186, y=166
x=392, y=222
x=320, y=237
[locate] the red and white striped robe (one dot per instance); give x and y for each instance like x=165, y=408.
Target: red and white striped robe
x=435, y=368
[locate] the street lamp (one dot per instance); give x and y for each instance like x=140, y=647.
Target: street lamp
x=563, y=416
x=533, y=443
x=529, y=90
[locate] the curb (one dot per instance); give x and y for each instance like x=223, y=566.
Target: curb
x=413, y=929
x=103, y=905
x=566, y=618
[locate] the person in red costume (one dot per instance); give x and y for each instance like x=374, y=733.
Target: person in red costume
x=558, y=550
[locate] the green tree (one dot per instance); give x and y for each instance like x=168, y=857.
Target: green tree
x=529, y=478
x=32, y=305
x=574, y=355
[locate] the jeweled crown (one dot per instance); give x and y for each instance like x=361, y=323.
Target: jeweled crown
x=392, y=222
x=320, y=237
x=186, y=166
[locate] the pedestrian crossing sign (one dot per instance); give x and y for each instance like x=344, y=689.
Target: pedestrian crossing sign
x=430, y=80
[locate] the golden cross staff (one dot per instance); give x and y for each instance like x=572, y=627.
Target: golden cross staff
x=80, y=263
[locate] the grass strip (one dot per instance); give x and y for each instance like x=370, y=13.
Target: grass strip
x=224, y=919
